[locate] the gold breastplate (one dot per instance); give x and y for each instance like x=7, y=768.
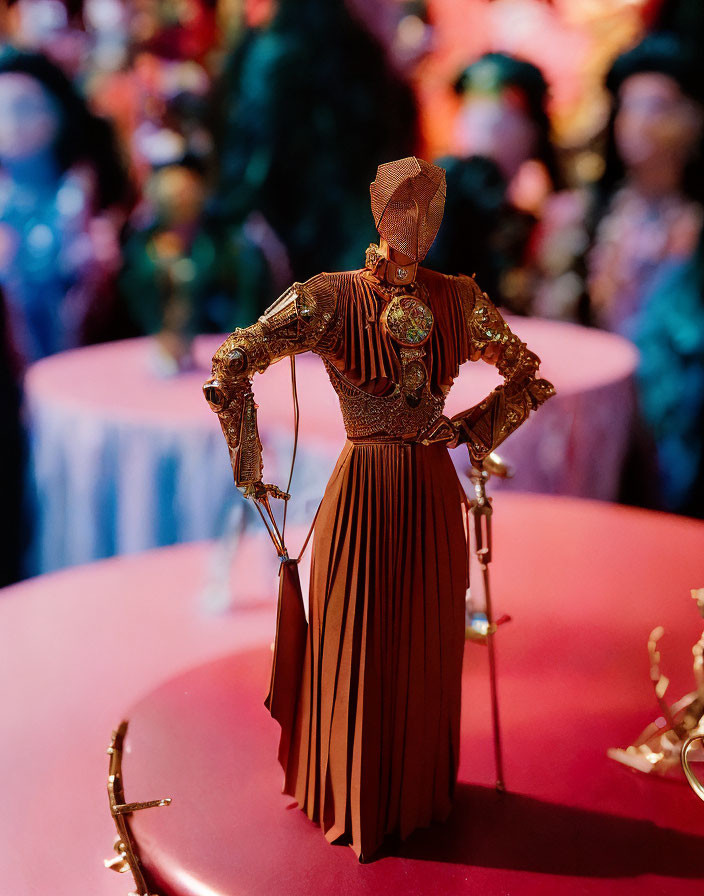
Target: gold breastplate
x=384, y=417
x=411, y=408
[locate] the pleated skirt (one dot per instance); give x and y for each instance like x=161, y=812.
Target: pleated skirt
x=375, y=747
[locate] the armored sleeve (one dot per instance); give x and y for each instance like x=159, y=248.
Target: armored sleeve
x=485, y=426
x=295, y=323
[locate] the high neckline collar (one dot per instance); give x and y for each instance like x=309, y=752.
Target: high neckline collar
x=387, y=271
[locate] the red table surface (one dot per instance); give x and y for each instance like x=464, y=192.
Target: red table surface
x=585, y=587
x=585, y=583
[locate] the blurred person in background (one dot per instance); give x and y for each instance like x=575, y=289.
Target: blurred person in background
x=63, y=193
x=643, y=267
x=670, y=336
x=186, y=272
x=157, y=91
x=650, y=200
x=503, y=117
x=600, y=247
x=477, y=215
x=310, y=107
x=186, y=269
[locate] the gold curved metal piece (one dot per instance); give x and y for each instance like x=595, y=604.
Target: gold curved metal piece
x=126, y=858
x=692, y=779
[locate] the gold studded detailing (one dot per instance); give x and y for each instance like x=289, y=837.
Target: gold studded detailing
x=485, y=426
x=385, y=417
x=296, y=322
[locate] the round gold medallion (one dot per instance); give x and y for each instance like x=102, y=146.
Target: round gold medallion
x=414, y=376
x=408, y=320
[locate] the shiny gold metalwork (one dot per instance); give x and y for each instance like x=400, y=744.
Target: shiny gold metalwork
x=407, y=202
x=126, y=858
x=477, y=624
x=660, y=748
x=387, y=269
x=294, y=323
x=408, y=320
x=486, y=425
x=389, y=417
x=692, y=779
x=304, y=316
x=481, y=511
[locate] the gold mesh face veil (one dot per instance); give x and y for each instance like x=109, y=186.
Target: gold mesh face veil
x=408, y=199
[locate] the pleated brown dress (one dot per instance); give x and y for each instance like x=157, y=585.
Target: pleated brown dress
x=375, y=744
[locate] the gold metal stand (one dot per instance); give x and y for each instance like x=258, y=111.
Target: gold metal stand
x=481, y=511
x=127, y=858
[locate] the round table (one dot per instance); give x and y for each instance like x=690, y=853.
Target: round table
x=123, y=460
x=585, y=583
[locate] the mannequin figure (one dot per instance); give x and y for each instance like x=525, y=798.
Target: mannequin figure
x=370, y=724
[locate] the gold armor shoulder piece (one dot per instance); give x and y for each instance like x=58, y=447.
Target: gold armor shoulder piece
x=282, y=312
x=316, y=299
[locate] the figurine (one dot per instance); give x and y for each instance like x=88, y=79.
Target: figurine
x=184, y=272
x=368, y=691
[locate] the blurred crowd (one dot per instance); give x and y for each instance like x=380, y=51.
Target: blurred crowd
x=168, y=167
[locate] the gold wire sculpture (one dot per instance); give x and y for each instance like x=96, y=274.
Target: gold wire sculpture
x=669, y=741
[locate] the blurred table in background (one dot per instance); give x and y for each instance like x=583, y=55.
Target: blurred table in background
x=123, y=460
x=585, y=583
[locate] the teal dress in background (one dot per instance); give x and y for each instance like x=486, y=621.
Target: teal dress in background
x=670, y=338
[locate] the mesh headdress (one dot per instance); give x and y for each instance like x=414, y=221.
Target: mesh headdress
x=408, y=198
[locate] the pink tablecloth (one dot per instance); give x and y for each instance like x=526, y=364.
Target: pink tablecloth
x=585, y=583
x=123, y=460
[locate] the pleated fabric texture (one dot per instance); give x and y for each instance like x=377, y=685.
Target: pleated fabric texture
x=367, y=353
x=376, y=739
x=372, y=747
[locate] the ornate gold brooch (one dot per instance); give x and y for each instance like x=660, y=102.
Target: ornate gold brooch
x=408, y=320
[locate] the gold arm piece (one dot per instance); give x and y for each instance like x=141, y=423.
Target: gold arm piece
x=126, y=858
x=486, y=425
x=295, y=323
